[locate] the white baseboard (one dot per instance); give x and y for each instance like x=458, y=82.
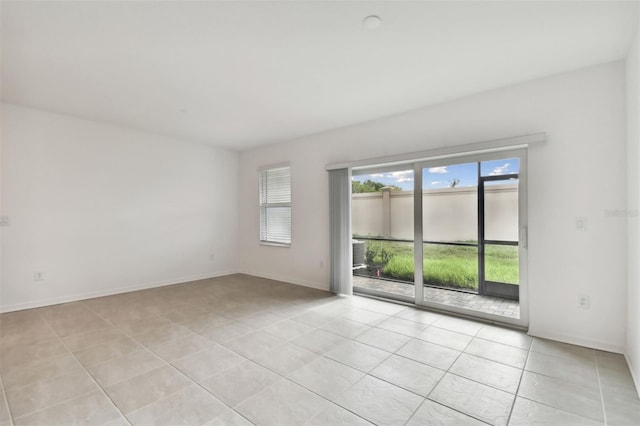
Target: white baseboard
x=634, y=375
x=90, y=295
x=576, y=340
x=324, y=287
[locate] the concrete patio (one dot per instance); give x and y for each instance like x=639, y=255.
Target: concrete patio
x=476, y=302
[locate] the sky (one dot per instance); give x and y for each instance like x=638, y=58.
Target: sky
x=441, y=177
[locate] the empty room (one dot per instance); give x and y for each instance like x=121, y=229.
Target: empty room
x=321, y=213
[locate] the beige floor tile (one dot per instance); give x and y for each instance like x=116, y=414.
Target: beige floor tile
x=189, y=406
x=358, y=355
x=101, y=336
x=283, y=403
x=345, y=328
x=204, y=364
x=493, y=351
x=182, y=346
x=474, y=399
x=229, y=418
x=526, y=413
x=383, y=339
x=442, y=337
x=433, y=414
x=621, y=405
x=458, y=325
x=205, y=322
x=133, y=327
x=29, y=398
x=408, y=374
x=146, y=388
x=327, y=344
x=40, y=370
x=11, y=356
x=428, y=353
x=385, y=308
x=72, y=318
x=487, y=372
x=365, y=317
x=320, y=341
x=285, y=359
x=17, y=334
x=562, y=350
x=186, y=314
x=334, y=416
x=125, y=367
x=120, y=421
x=254, y=344
x=104, y=352
x=262, y=320
x=5, y=415
x=313, y=318
x=91, y=409
x=231, y=330
x=380, y=402
x=613, y=370
x=287, y=329
x=402, y=326
x=580, y=400
x=506, y=336
x=579, y=371
x=162, y=334
x=418, y=315
x=326, y=377
x=240, y=382
x=20, y=318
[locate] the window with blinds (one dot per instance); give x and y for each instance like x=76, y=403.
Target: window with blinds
x=275, y=205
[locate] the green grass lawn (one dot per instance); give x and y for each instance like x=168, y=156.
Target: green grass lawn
x=447, y=266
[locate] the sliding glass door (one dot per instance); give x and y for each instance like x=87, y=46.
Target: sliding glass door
x=450, y=228
x=382, y=226
x=447, y=233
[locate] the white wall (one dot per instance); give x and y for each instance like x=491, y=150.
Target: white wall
x=101, y=209
x=578, y=172
x=633, y=204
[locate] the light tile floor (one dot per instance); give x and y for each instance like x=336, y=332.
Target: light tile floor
x=487, y=304
x=242, y=350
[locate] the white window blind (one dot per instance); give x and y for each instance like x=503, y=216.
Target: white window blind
x=275, y=205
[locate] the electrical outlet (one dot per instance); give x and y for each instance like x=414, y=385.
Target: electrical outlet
x=38, y=276
x=581, y=223
x=212, y=257
x=321, y=263
x=4, y=221
x=583, y=301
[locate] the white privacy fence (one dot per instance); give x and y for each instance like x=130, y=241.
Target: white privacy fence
x=449, y=214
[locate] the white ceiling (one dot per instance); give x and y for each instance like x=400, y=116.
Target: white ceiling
x=241, y=74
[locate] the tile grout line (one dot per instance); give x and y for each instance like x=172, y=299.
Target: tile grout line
x=148, y=348
x=524, y=366
x=440, y=380
x=417, y=338
x=604, y=411
x=85, y=369
x=198, y=384
x=6, y=400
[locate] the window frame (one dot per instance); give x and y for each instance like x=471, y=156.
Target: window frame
x=264, y=206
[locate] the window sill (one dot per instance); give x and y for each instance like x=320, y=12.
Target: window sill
x=271, y=244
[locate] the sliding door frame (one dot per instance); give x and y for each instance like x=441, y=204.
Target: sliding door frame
x=521, y=154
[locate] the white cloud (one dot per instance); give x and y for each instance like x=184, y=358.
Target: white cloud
x=439, y=170
x=403, y=176
x=435, y=182
x=500, y=170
